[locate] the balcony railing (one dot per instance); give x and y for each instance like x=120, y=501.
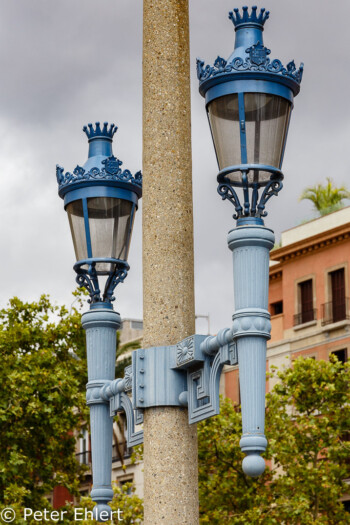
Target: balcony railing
x=305, y=317
x=335, y=311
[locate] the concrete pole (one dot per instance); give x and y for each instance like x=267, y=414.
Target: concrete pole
x=170, y=444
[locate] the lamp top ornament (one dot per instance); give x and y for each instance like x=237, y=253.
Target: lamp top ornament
x=102, y=167
x=98, y=133
x=249, y=59
x=246, y=19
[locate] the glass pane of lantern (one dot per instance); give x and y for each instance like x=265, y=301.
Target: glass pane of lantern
x=266, y=129
x=266, y=118
x=110, y=223
x=77, y=227
x=224, y=124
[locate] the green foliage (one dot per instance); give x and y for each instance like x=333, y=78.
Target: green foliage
x=309, y=421
x=226, y=494
x=129, y=504
x=307, y=425
x=326, y=198
x=43, y=377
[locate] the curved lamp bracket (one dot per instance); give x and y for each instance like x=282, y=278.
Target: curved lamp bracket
x=88, y=277
x=252, y=206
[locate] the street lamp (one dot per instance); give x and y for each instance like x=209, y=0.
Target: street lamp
x=249, y=99
x=101, y=201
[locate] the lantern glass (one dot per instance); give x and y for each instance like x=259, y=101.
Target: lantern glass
x=77, y=228
x=224, y=124
x=110, y=225
x=265, y=132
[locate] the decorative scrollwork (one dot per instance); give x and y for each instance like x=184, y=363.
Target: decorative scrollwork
x=113, y=280
x=257, y=207
x=226, y=191
x=110, y=172
x=272, y=188
x=256, y=61
x=89, y=280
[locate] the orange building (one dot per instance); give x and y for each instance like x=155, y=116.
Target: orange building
x=308, y=296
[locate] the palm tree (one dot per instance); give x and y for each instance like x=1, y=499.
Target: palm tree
x=326, y=198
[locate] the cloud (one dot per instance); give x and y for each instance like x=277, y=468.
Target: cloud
x=66, y=63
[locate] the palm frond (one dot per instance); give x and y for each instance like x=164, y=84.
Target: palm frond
x=326, y=198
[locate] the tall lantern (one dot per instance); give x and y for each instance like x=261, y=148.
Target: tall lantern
x=249, y=100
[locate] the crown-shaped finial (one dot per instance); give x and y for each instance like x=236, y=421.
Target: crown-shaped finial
x=245, y=18
x=92, y=133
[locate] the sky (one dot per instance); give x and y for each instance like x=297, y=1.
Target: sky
x=70, y=62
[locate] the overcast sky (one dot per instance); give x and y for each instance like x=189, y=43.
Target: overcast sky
x=70, y=62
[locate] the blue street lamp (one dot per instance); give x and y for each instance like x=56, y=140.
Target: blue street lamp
x=249, y=99
x=101, y=201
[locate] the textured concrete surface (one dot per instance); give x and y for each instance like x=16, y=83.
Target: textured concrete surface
x=171, y=469
x=171, y=493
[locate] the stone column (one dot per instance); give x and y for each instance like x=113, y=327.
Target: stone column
x=170, y=444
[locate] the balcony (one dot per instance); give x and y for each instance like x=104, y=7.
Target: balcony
x=335, y=311
x=305, y=317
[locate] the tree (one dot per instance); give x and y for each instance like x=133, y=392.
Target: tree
x=326, y=198
x=42, y=404
x=309, y=422
x=125, y=500
x=226, y=494
x=307, y=425
x=43, y=408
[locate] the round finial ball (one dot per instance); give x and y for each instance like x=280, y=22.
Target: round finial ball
x=253, y=465
x=102, y=513
x=183, y=399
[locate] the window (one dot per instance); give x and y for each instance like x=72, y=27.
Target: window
x=277, y=308
x=337, y=308
x=137, y=325
x=338, y=294
x=123, y=482
x=346, y=504
x=84, y=455
x=341, y=355
x=306, y=303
